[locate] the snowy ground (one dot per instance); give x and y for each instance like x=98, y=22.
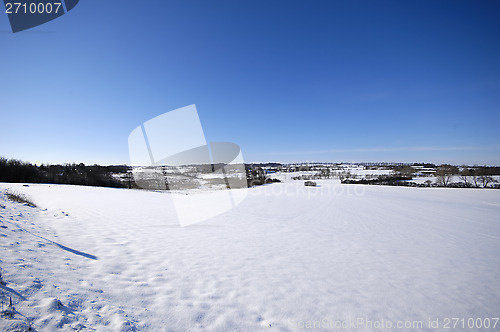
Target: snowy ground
x=287, y=258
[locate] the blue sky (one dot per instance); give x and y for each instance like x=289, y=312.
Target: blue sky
x=289, y=81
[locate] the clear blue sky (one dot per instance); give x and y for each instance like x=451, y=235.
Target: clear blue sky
x=288, y=81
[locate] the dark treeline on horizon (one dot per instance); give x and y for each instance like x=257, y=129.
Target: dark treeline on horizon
x=16, y=171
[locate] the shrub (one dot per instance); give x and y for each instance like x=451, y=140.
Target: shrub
x=20, y=198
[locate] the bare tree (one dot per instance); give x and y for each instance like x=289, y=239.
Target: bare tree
x=465, y=176
x=129, y=179
x=485, y=180
x=475, y=179
x=445, y=173
x=475, y=172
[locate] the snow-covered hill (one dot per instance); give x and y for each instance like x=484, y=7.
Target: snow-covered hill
x=289, y=257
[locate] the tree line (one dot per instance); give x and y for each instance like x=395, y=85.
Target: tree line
x=13, y=170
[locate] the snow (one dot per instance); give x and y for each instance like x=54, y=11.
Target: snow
x=98, y=259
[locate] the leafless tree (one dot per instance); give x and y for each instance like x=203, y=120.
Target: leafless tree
x=485, y=180
x=465, y=177
x=445, y=173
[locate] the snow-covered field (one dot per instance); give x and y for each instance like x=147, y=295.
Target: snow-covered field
x=288, y=258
